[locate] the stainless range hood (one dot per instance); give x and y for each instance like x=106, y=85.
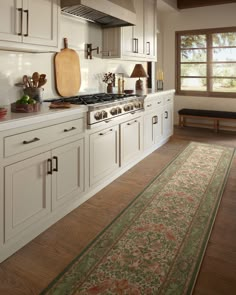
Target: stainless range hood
x=107, y=13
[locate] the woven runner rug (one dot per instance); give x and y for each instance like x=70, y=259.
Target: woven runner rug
x=156, y=245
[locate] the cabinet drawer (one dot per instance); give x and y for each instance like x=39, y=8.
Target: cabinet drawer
x=151, y=104
x=168, y=98
x=26, y=141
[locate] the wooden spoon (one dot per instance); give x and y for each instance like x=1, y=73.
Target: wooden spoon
x=35, y=78
x=26, y=81
x=42, y=80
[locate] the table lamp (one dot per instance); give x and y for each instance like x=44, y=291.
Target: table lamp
x=138, y=72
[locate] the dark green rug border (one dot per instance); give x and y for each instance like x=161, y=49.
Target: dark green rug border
x=209, y=230
x=198, y=265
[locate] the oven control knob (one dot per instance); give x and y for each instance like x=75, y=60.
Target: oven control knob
x=126, y=108
x=104, y=114
x=98, y=116
x=119, y=110
x=137, y=105
x=131, y=107
x=113, y=111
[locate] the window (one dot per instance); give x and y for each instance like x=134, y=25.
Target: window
x=206, y=62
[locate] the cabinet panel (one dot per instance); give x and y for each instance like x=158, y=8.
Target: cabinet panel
x=150, y=29
x=104, y=153
x=168, y=120
x=68, y=172
x=29, y=23
x=10, y=20
x=40, y=31
x=130, y=140
x=27, y=194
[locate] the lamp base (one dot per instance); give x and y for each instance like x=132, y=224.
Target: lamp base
x=139, y=85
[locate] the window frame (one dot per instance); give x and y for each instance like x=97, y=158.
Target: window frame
x=208, y=33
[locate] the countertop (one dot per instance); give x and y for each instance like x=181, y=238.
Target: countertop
x=13, y=120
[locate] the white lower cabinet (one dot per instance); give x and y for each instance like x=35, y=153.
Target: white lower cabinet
x=35, y=186
x=152, y=128
x=104, y=153
x=27, y=194
x=168, y=118
x=130, y=140
x=67, y=172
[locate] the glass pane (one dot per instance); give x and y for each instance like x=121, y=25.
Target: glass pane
x=193, y=55
x=224, y=85
x=224, y=39
x=224, y=70
x=224, y=54
x=193, y=41
x=193, y=70
x=193, y=84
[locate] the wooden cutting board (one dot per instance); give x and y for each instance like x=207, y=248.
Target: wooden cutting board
x=67, y=71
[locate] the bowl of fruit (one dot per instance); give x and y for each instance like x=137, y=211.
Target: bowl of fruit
x=25, y=104
x=3, y=112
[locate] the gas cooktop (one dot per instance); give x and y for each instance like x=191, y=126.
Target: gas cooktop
x=89, y=99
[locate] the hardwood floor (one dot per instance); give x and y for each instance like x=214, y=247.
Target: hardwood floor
x=33, y=267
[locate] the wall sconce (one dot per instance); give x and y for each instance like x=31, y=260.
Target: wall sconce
x=89, y=50
x=139, y=72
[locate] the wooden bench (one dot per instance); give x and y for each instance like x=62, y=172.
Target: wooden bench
x=214, y=116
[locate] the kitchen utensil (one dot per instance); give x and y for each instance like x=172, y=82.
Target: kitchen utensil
x=25, y=81
x=67, y=71
x=35, y=78
x=42, y=80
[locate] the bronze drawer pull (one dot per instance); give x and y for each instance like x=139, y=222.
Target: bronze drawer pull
x=67, y=130
x=27, y=22
x=49, y=167
x=56, y=160
x=135, y=121
x=31, y=141
x=21, y=20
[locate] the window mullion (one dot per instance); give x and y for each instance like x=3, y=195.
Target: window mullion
x=209, y=63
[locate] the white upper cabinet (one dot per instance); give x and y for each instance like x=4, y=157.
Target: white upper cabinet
x=133, y=42
x=29, y=25
x=150, y=29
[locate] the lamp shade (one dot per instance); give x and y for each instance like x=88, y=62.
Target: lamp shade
x=138, y=72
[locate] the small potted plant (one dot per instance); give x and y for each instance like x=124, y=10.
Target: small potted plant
x=109, y=79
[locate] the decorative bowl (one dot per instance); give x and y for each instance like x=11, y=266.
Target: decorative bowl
x=3, y=112
x=25, y=107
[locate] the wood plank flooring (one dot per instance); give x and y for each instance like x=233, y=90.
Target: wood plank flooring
x=32, y=268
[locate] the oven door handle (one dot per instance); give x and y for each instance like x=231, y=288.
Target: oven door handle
x=104, y=133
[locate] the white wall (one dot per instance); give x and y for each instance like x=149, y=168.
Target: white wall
x=13, y=65
x=189, y=19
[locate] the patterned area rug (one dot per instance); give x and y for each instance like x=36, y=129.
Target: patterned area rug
x=156, y=245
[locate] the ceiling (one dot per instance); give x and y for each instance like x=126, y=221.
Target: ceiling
x=182, y=4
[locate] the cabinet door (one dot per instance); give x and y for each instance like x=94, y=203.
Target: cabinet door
x=40, y=22
x=11, y=14
x=130, y=140
x=132, y=36
x=152, y=128
x=168, y=120
x=27, y=194
x=150, y=29
x=68, y=172
x=139, y=28
x=157, y=122
x=104, y=153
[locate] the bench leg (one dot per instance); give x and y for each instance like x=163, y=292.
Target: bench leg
x=181, y=121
